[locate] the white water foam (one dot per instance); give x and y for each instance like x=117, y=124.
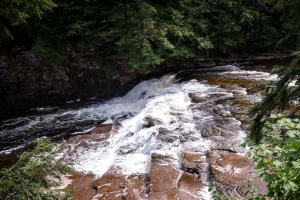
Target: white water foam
x=152, y=108
x=82, y=120
x=159, y=128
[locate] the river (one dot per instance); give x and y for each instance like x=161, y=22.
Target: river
x=195, y=111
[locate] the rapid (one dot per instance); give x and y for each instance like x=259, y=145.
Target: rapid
x=199, y=112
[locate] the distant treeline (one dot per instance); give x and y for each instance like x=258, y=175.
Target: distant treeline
x=147, y=32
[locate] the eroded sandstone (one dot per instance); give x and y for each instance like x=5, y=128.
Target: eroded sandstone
x=234, y=173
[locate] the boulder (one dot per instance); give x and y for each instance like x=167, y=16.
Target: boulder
x=230, y=168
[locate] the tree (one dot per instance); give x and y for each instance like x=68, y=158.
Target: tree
x=290, y=16
x=275, y=141
x=147, y=32
x=16, y=12
x=29, y=178
x=282, y=94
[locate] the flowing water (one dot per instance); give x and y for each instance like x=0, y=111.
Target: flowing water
x=191, y=111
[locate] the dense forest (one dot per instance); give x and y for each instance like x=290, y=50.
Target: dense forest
x=145, y=32
x=150, y=32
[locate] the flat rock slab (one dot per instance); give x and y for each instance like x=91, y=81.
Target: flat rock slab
x=164, y=182
x=233, y=172
x=230, y=168
x=98, y=136
x=82, y=185
x=194, y=162
x=189, y=187
x=118, y=186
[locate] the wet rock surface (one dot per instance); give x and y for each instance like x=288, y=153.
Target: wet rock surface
x=166, y=140
x=195, y=162
x=117, y=186
x=82, y=186
x=164, y=177
x=191, y=138
x=189, y=187
x=234, y=174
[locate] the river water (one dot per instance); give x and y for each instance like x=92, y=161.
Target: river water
x=167, y=115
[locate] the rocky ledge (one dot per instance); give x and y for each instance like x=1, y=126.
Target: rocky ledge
x=190, y=171
x=228, y=171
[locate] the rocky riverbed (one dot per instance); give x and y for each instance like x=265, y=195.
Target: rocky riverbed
x=178, y=136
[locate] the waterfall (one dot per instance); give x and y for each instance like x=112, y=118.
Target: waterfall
x=167, y=117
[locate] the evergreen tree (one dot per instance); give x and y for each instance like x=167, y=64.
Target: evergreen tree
x=16, y=12
x=282, y=94
x=30, y=178
x=146, y=32
x=151, y=32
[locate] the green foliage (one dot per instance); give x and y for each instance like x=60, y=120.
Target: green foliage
x=29, y=177
x=16, y=12
x=282, y=95
x=105, y=63
x=243, y=25
x=151, y=32
x=278, y=157
x=289, y=10
x=146, y=32
x=49, y=49
x=225, y=31
x=290, y=17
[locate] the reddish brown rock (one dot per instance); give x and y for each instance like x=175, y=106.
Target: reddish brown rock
x=82, y=185
x=151, y=121
x=76, y=144
x=194, y=162
x=233, y=171
x=189, y=187
x=99, y=133
x=117, y=186
x=163, y=178
x=163, y=182
x=102, y=128
x=231, y=168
